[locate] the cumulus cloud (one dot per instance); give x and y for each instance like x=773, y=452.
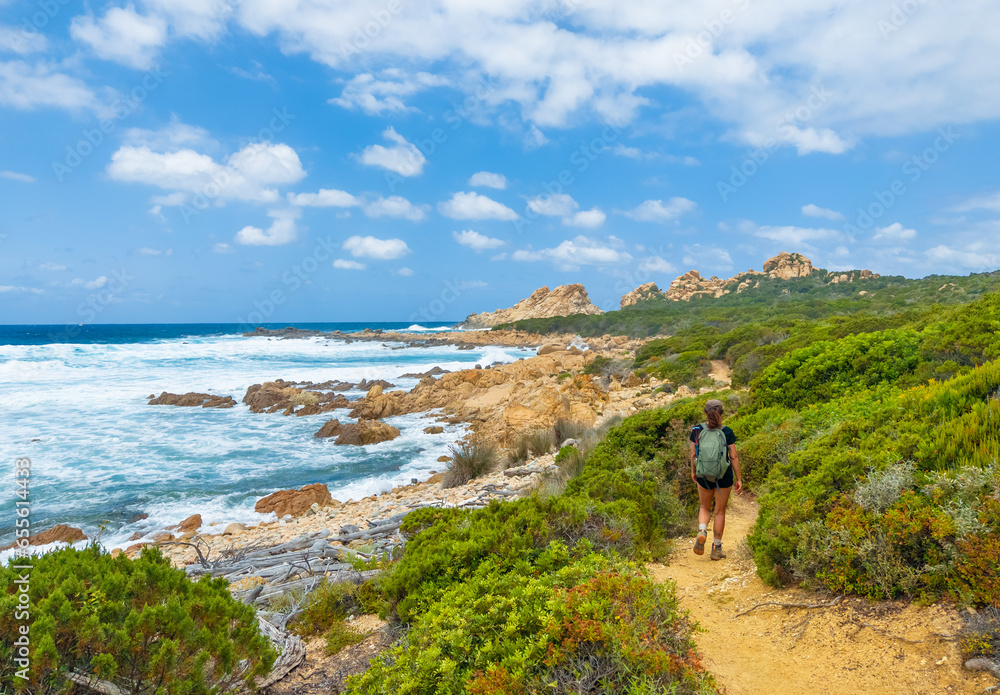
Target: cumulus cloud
x=385, y=94
x=171, y=137
x=473, y=206
x=707, y=257
x=793, y=236
x=655, y=264
x=586, y=218
x=28, y=87
x=811, y=210
x=402, y=158
x=344, y=264
x=16, y=40
x=222, y=247
x=122, y=35
x=554, y=205
x=146, y=251
x=283, y=230
x=658, y=211
x=95, y=284
x=249, y=174
x=580, y=251
x=488, y=179
x=895, y=232
x=395, y=206
x=405, y=272
x=476, y=241
x=378, y=249
x=20, y=288
x=324, y=198
x=201, y=19
x=985, y=202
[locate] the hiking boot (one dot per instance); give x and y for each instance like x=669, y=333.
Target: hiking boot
x=717, y=552
x=699, y=543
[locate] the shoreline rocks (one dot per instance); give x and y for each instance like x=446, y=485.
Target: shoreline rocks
x=204, y=400
x=564, y=300
x=294, y=502
x=59, y=532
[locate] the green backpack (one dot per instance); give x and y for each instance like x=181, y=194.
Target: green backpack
x=711, y=453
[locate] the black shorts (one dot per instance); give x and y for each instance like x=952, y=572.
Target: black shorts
x=725, y=481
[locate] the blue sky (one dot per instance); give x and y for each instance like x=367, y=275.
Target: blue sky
x=205, y=160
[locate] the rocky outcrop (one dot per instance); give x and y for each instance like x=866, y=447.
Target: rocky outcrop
x=784, y=266
x=293, y=399
x=358, y=433
x=192, y=523
x=205, y=400
x=504, y=400
x=564, y=300
x=59, y=532
x=364, y=432
x=641, y=293
x=294, y=502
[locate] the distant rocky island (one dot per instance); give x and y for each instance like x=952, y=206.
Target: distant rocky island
x=543, y=303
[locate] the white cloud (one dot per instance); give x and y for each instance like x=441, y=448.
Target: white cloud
x=222, y=248
x=707, y=257
x=403, y=158
x=344, y=264
x=977, y=256
x=534, y=138
x=405, y=272
x=379, y=249
x=658, y=211
x=49, y=265
x=592, y=219
x=16, y=40
x=201, y=19
x=95, y=284
x=985, y=202
x=384, y=94
x=475, y=240
x=324, y=198
x=395, y=206
x=794, y=236
x=488, y=179
x=894, y=232
x=247, y=175
x=811, y=210
x=20, y=288
x=122, y=35
x=573, y=253
x=473, y=206
x=146, y=251
x=29, y=87
x=554, y=205
x=655, y=264
x=15, y=176
x=283, y=230
x=626, y=151
x=171, y=137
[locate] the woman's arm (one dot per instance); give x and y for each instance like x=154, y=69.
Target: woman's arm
x=734, y=459
x=694, y=477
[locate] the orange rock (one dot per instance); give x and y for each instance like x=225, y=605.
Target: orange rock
x=294, y=502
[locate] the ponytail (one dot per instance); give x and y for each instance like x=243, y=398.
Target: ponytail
x=713, y=411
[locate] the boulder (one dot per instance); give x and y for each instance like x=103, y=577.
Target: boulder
x=443, y=459
x=138, y=517
x=375, y=405
x=332, y=428
x=550, y=348
x=234, y=529
x=205, y=400
x=59, y=532
x=641, y=293
x=294, y=502
x=134, y=550
x=192, y=523
x=436, y=478
x=365, y=432
x=434, y=429
x=632, y=381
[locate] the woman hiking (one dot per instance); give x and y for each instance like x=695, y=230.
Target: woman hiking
x=713, y=463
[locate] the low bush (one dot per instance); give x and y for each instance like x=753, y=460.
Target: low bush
x=339, y=635
x=140, y=624
x=469, y=460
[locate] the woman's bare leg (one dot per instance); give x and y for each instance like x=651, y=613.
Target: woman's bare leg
x=705, y=511
x=721, y=500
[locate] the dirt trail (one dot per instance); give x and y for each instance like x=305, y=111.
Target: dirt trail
x=824, y=651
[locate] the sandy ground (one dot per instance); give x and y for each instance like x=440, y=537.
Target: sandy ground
x=857, y=646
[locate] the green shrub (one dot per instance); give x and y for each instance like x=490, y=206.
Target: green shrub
x=140, y=624
x=339, y=636
x=468, y=462
x=541, y=441
x=327, y=604
x=570, y=460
